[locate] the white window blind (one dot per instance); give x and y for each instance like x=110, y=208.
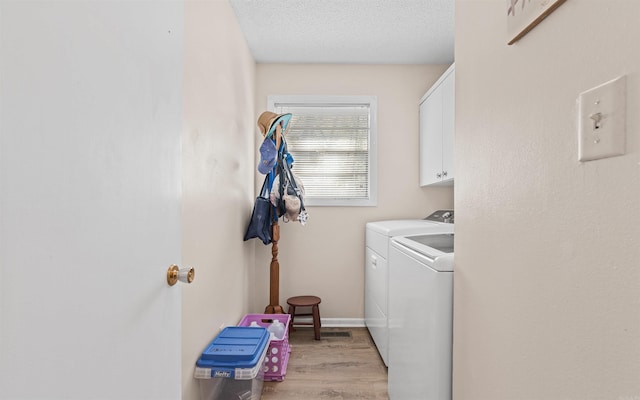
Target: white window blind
x=332, y=141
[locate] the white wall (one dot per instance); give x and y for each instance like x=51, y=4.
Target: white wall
x=218, y=172
x=326, y=256
x=547, y=274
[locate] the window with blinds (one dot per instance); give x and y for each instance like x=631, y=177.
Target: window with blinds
x=333, y=143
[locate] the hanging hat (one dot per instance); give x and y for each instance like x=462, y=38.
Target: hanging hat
x=292, y=206
x=268, y=156
x=268, y=121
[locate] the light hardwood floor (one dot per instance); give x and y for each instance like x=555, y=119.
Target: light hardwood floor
x=334, y=367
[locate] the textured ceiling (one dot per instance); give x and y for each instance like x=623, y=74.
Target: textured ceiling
x=348, y=31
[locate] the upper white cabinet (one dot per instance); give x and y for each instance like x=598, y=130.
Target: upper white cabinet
x=437, y=118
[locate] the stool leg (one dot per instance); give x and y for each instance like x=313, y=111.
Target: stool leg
x=292, y=312
x=316, y=321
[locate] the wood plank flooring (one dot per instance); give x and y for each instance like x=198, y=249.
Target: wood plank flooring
x=334, y=367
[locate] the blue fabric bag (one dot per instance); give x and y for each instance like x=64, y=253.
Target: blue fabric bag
x=260, y=223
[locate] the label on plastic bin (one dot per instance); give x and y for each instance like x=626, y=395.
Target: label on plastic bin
x=208, y=373
x=222, y=374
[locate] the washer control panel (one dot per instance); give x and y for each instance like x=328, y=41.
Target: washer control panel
x=445, y=216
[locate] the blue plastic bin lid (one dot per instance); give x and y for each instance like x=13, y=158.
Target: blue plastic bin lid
x=235, y=347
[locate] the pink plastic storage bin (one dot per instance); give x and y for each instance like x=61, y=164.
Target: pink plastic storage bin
x=275, y=363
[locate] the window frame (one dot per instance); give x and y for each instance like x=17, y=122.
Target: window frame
x=324, y=100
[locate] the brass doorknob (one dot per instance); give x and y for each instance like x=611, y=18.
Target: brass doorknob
x=175, y=274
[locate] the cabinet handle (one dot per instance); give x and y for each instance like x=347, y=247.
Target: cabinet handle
x=438, y=175
x=444, y=173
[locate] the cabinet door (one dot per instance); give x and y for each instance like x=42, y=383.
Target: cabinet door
x=431, y=138
x=448, y=122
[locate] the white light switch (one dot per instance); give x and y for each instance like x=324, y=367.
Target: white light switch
x=602, y=121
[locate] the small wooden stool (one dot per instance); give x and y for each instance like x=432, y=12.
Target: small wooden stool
x=305, y=301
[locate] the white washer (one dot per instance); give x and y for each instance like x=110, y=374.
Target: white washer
x=420, y=317
x=378, y=236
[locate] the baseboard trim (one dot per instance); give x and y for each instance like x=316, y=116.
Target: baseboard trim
x=336, y=322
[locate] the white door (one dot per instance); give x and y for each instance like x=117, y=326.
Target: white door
x=90, y=121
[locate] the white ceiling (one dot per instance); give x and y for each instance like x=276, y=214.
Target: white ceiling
x=348, y=31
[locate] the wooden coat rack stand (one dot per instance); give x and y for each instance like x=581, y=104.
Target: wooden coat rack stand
x=274, y=306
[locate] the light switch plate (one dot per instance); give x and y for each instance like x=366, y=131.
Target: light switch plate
x=602, y=121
